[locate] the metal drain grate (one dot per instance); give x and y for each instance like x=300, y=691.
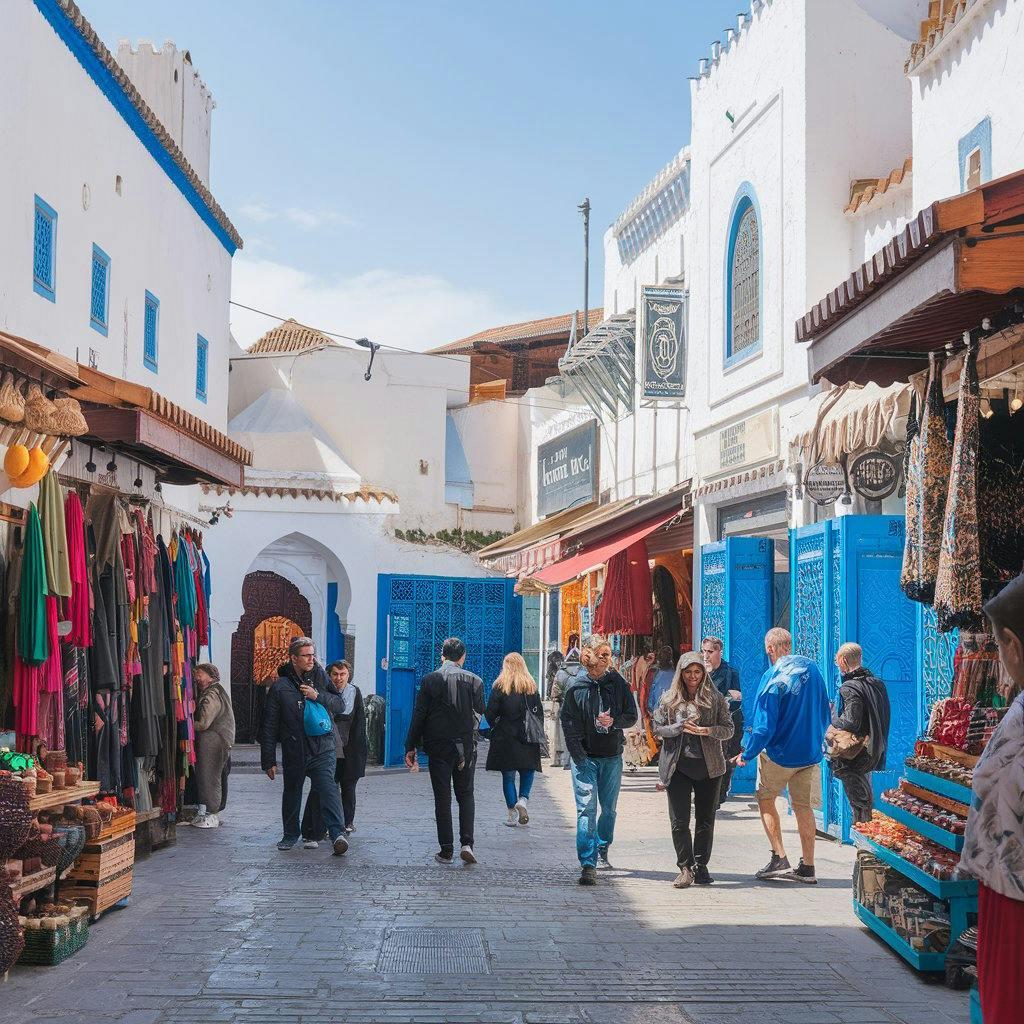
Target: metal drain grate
x=433, y=951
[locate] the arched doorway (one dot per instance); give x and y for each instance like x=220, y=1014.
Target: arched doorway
x=272, y=606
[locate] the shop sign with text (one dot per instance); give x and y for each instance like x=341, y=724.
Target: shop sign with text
x=664, y=343
x=567, y=470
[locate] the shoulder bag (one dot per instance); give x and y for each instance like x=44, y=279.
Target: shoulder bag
x=843, y=745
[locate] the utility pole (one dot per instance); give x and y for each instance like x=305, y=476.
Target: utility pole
x=584, y=208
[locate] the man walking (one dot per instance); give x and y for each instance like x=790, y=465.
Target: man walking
x=791, y=714
x=727, y=681
x=598, y=705
x=444, y=720
x=301, y=679
x=863, y=710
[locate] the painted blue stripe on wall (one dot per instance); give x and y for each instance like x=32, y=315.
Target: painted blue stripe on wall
x=110, y=88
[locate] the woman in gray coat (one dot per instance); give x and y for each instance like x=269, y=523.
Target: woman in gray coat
x=215, y=736
x=693, y=720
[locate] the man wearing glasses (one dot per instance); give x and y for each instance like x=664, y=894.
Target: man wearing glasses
x=727, y=682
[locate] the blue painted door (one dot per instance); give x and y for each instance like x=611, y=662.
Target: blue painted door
x=736, y=605
x=335, y=647
x=415, y=614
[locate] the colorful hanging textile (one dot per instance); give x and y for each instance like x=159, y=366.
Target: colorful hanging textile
x=627, y=607
x=33, y=647
x=55, y=541
x=958, y=585
x=929, y=462
x=184, y=584
x=78, y=605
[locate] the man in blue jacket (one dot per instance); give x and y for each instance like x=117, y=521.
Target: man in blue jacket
x=791, y=714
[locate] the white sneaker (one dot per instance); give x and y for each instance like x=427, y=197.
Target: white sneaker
x=466, y=853
x=310, y=844
x=206, y=821
x=513, y=818
x=520, y=809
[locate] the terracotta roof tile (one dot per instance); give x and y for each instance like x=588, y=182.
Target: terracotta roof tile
x=864, y=190
x=943, y=18
x=365, y=493
x=88, y=34
x=529, y=330
x=290, y=337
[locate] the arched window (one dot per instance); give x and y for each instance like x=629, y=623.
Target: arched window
x=743, y=280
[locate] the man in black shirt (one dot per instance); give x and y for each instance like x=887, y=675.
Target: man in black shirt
x=598, y=705
x=448, y=709
x=726, y=680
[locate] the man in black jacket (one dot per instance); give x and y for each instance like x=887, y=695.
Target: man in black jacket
x=727, y=681
x=448, y=708
x=301, y=679
x=598, y=705
x=863, y=709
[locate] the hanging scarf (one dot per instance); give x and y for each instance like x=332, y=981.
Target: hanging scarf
x=78, y=610
x=55, y=540
x=184, y=584
x=32, y=640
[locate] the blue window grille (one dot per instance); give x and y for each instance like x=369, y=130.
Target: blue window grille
x=150, y=332
x=202, y=366
x=44, y=251
x=743, y=273
x=974, y=152
x=99, y=292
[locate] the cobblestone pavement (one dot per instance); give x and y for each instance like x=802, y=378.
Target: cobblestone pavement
x=225, y=928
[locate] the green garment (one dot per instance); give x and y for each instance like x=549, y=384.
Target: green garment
x=55, y=538
x=33, y=643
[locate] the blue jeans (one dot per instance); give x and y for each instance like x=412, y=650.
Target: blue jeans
x=595, y=782
x=320, y=770
x=508, y=785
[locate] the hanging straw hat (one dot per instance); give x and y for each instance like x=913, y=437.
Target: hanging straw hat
x=39, y=411
x=67, y=419
x=12, y=404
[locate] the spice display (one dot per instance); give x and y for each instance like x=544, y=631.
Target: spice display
x=954, y=823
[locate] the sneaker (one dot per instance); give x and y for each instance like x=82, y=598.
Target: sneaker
x=513, y=818
x=206, y=821
x=466, y=853
x=287, y=844
x=349, y=829
x=684, y=879
x=310, y=844
x=520, y=809
x=775, y=867
x=701, y=876
x=588, y=876
x=443, y=858
x=340, y=846
x=801, y=873
x=603, y=863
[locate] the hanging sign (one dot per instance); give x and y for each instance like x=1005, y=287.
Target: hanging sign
x=664, y=342
x=567, y=470
x=825, y=483
x=874, y=475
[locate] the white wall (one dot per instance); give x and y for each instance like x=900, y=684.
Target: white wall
x=64, y=141
x=977, y=72
x=489, y=432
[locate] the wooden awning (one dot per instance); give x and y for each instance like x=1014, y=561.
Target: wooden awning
x=50, y=368
x=957, y=263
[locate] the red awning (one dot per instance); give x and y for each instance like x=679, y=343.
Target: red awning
x=597, y=554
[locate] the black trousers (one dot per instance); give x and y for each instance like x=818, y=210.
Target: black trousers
x=855, y=776
x=445, y=777
x=703, y=795
x=313, y=826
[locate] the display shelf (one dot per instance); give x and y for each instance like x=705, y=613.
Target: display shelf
x=952, y=754
x=937, y=784
x=937, y=887
x=923, y=961
x=60, y=797
x=28, y=884
x=950, y=840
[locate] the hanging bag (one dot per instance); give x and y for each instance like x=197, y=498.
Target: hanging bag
x=532, y=729
x=843, y=745
x=316, y=721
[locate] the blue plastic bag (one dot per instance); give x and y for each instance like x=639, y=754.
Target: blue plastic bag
x=316, y=721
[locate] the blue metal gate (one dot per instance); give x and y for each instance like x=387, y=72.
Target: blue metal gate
x=845, y=576
x=415, y=614
x=736, y=605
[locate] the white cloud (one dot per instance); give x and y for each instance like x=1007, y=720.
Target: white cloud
x=297, y=216
x=415, y=311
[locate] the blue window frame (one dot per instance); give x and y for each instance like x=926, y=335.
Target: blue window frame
x=743, y=275
x=151, y=332
x=202, y=366
x=99, y=291
x=44, y=251
x=974, y=152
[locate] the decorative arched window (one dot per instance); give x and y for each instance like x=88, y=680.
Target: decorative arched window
x=743, y=280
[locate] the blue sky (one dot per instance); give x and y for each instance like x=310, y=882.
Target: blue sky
x=410, y=170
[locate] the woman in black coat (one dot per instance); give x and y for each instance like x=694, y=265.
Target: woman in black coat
x=350, y=738
x=515, y=714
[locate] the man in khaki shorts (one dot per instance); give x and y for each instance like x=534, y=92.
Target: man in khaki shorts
x=791, y=714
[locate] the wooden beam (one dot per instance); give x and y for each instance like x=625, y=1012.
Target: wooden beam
x=994, y=264
x=960, y=211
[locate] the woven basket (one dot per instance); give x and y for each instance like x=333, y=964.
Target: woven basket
x=15, y=816
x=46, y=947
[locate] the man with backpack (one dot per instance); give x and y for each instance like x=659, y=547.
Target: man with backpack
x=299, y=714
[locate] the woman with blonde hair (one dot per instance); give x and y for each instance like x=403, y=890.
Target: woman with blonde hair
x=693, y=720
x=516, y=718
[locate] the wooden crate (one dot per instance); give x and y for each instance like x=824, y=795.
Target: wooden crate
x=119, y=827
x=103, y=859
x=100, y=896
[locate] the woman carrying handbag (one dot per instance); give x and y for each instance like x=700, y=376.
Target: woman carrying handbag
x=516, y=718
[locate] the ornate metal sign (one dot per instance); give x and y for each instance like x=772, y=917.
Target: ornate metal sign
x=875, y=475
x=825, y=483
x=664, y=342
